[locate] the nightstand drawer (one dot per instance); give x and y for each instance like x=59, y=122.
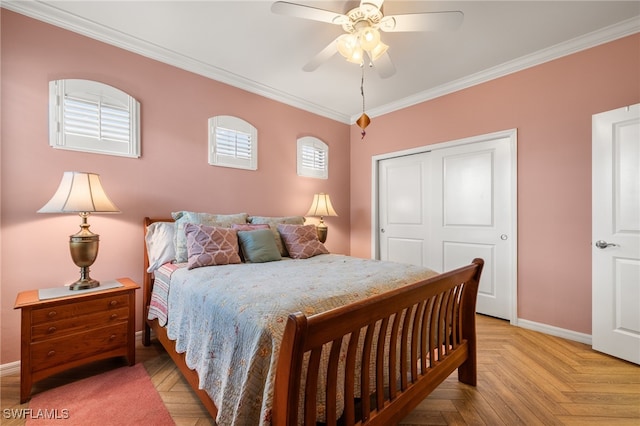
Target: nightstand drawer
x=78, y=346
x=69, y=310
x=60, y=328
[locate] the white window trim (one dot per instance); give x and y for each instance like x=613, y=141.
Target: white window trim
x=246, y=132
x=318, y=170
x=101, y=98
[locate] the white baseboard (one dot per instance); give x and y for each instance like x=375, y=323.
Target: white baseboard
x=10, y=368
x=14, y=367
x=555, y=331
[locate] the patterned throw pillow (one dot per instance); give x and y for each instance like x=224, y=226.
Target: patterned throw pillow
x=211, y=245
x=301, y=241
x=183, y=217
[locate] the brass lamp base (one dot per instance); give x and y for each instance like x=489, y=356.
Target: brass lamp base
x=83, y=246
x=83, y=284
x=322, y=230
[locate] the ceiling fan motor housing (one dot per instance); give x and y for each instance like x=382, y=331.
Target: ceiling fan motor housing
x=362, y=17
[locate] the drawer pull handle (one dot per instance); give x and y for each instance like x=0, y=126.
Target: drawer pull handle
x=114, y=316
x=113, y=336
x=52, y=314
x=51, y=353
x=113, y=303
x=51, y=330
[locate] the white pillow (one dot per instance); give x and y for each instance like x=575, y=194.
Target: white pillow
x=160, y=244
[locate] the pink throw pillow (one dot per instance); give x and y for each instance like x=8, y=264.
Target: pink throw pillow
x=211, y=245
x=301, y=241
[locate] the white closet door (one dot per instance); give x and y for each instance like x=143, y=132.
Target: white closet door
x=443, y=208
x=403, y=209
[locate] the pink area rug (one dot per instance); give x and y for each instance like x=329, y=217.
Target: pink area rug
x=124, y=396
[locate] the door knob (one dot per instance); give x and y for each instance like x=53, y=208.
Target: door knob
x=603, y=244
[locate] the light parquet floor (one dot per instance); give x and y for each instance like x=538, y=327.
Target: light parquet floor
x=524, y=377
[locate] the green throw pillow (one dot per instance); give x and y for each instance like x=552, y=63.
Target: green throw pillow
x=259, y=246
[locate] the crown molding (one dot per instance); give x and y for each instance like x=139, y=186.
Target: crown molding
x=50, y=14
x=587, y=41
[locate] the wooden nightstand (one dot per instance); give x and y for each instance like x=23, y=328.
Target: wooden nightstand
x=75, y=329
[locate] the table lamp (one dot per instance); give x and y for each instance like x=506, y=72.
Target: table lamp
x=321, y=206
x=81, y=193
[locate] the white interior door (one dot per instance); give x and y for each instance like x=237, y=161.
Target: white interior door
x=616, y=233
x=445, y=207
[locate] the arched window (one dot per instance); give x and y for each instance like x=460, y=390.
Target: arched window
x=89, y=116
x=313, y=158
x=233, y=142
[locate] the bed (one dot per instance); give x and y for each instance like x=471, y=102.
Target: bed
x=326, y=339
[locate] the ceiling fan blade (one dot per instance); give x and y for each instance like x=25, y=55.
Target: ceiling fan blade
x=308, y=12
x=322, y=56
x=375, y=3
x=428, y=21
x=384, y=66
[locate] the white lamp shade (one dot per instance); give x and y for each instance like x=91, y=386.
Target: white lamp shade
x=321, y=206
x=80, y=192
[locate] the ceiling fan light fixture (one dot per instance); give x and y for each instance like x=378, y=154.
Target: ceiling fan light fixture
x=378, y=51
x=349, y=47
x=357, y=56
x=369, y=38
x=346, y=44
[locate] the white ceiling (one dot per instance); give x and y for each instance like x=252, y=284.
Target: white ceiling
x=244, y=44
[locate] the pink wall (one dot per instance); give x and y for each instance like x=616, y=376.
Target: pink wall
x=172, y=173
x=551, y=106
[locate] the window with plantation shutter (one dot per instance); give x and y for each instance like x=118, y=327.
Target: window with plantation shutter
x=233, y=142
x=313, y=158
x=89, y=116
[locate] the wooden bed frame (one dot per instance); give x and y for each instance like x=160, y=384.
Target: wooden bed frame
x=434, y=335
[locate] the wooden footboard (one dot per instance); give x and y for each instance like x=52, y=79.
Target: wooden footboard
x=397, y=347
x=422, y=332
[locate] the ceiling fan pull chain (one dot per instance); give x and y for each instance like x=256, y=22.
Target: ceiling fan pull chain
x=364, y=119
x=362, y=88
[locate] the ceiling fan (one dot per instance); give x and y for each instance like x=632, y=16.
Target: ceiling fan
x=362, y=26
